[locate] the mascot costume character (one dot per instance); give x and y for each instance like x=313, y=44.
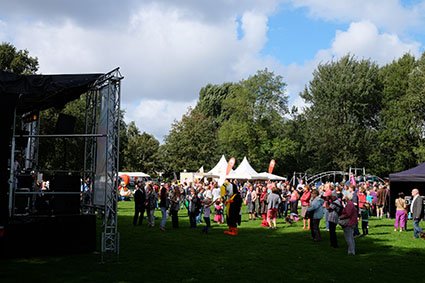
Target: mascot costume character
x=233, y=201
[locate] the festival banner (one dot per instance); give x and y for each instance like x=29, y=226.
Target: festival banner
x=230, y=165
x=271, y=166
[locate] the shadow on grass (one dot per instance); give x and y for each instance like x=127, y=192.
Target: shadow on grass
x=256, y=255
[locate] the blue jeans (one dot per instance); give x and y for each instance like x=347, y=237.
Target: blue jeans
x=164, y=217
x=416, y=228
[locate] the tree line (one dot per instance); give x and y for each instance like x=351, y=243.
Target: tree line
x=356, y=114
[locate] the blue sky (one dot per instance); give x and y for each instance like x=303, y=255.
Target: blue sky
x=294, y=38
x=168, y=50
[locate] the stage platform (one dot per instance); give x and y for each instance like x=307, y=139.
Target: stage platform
x=49, y=235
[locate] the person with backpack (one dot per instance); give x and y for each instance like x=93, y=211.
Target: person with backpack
x=334, y=207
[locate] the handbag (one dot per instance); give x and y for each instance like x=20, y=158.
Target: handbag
x=343, y=222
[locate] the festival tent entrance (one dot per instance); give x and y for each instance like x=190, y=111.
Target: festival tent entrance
x=245, y=172
x=404, y=182
x=200, y=174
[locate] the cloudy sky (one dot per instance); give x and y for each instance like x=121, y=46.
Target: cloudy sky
x=168, y=49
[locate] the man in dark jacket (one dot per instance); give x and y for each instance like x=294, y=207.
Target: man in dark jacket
x=139, y=203
x=417, y=210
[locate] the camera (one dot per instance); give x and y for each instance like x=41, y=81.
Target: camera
x=408, y=200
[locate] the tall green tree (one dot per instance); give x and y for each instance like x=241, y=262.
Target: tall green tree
x=16, y=61
x=190, y=144
x=253, y=115
x=393, y=150
x=344, y=101
x=211, y=99
x=141, y=152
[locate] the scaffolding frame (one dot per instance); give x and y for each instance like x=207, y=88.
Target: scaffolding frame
x=112, y=83
x=106, y=88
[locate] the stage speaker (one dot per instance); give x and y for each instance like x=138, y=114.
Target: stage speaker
x=65, y=124
x=25, y=181
x=65, y=203
x=22, y=202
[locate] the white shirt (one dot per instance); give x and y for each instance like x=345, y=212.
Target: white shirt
x=216, y=193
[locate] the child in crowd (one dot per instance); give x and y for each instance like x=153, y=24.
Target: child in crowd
x=218, y=218
x=291, y=218
x=207, y=212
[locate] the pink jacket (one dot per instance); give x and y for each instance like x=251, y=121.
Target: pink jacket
x=350, y=212
x=305, y=198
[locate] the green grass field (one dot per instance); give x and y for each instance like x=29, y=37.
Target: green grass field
x=256, y=255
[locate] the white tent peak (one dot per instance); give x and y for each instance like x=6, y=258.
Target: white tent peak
x=245, y=171
x=245, y=167
x=220, y=167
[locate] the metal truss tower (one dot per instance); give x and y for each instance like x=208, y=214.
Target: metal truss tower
x=102, y=154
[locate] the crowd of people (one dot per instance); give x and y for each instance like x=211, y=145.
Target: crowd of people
x=346, y=205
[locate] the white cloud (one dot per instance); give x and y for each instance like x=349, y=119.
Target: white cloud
x=168, y=50
x=390, y=15
x=155, y=116
x=166, y=53
x=364, y=40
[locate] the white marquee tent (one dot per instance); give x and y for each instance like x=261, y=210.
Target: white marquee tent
x=220, y=168
x=245, y=172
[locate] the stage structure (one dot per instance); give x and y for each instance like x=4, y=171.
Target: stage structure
x=27, y=96
x=102, y=155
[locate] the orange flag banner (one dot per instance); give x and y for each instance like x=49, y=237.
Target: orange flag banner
x=230, y=165
x=271, y=166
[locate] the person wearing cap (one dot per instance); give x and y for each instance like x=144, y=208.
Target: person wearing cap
x=334, y=207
